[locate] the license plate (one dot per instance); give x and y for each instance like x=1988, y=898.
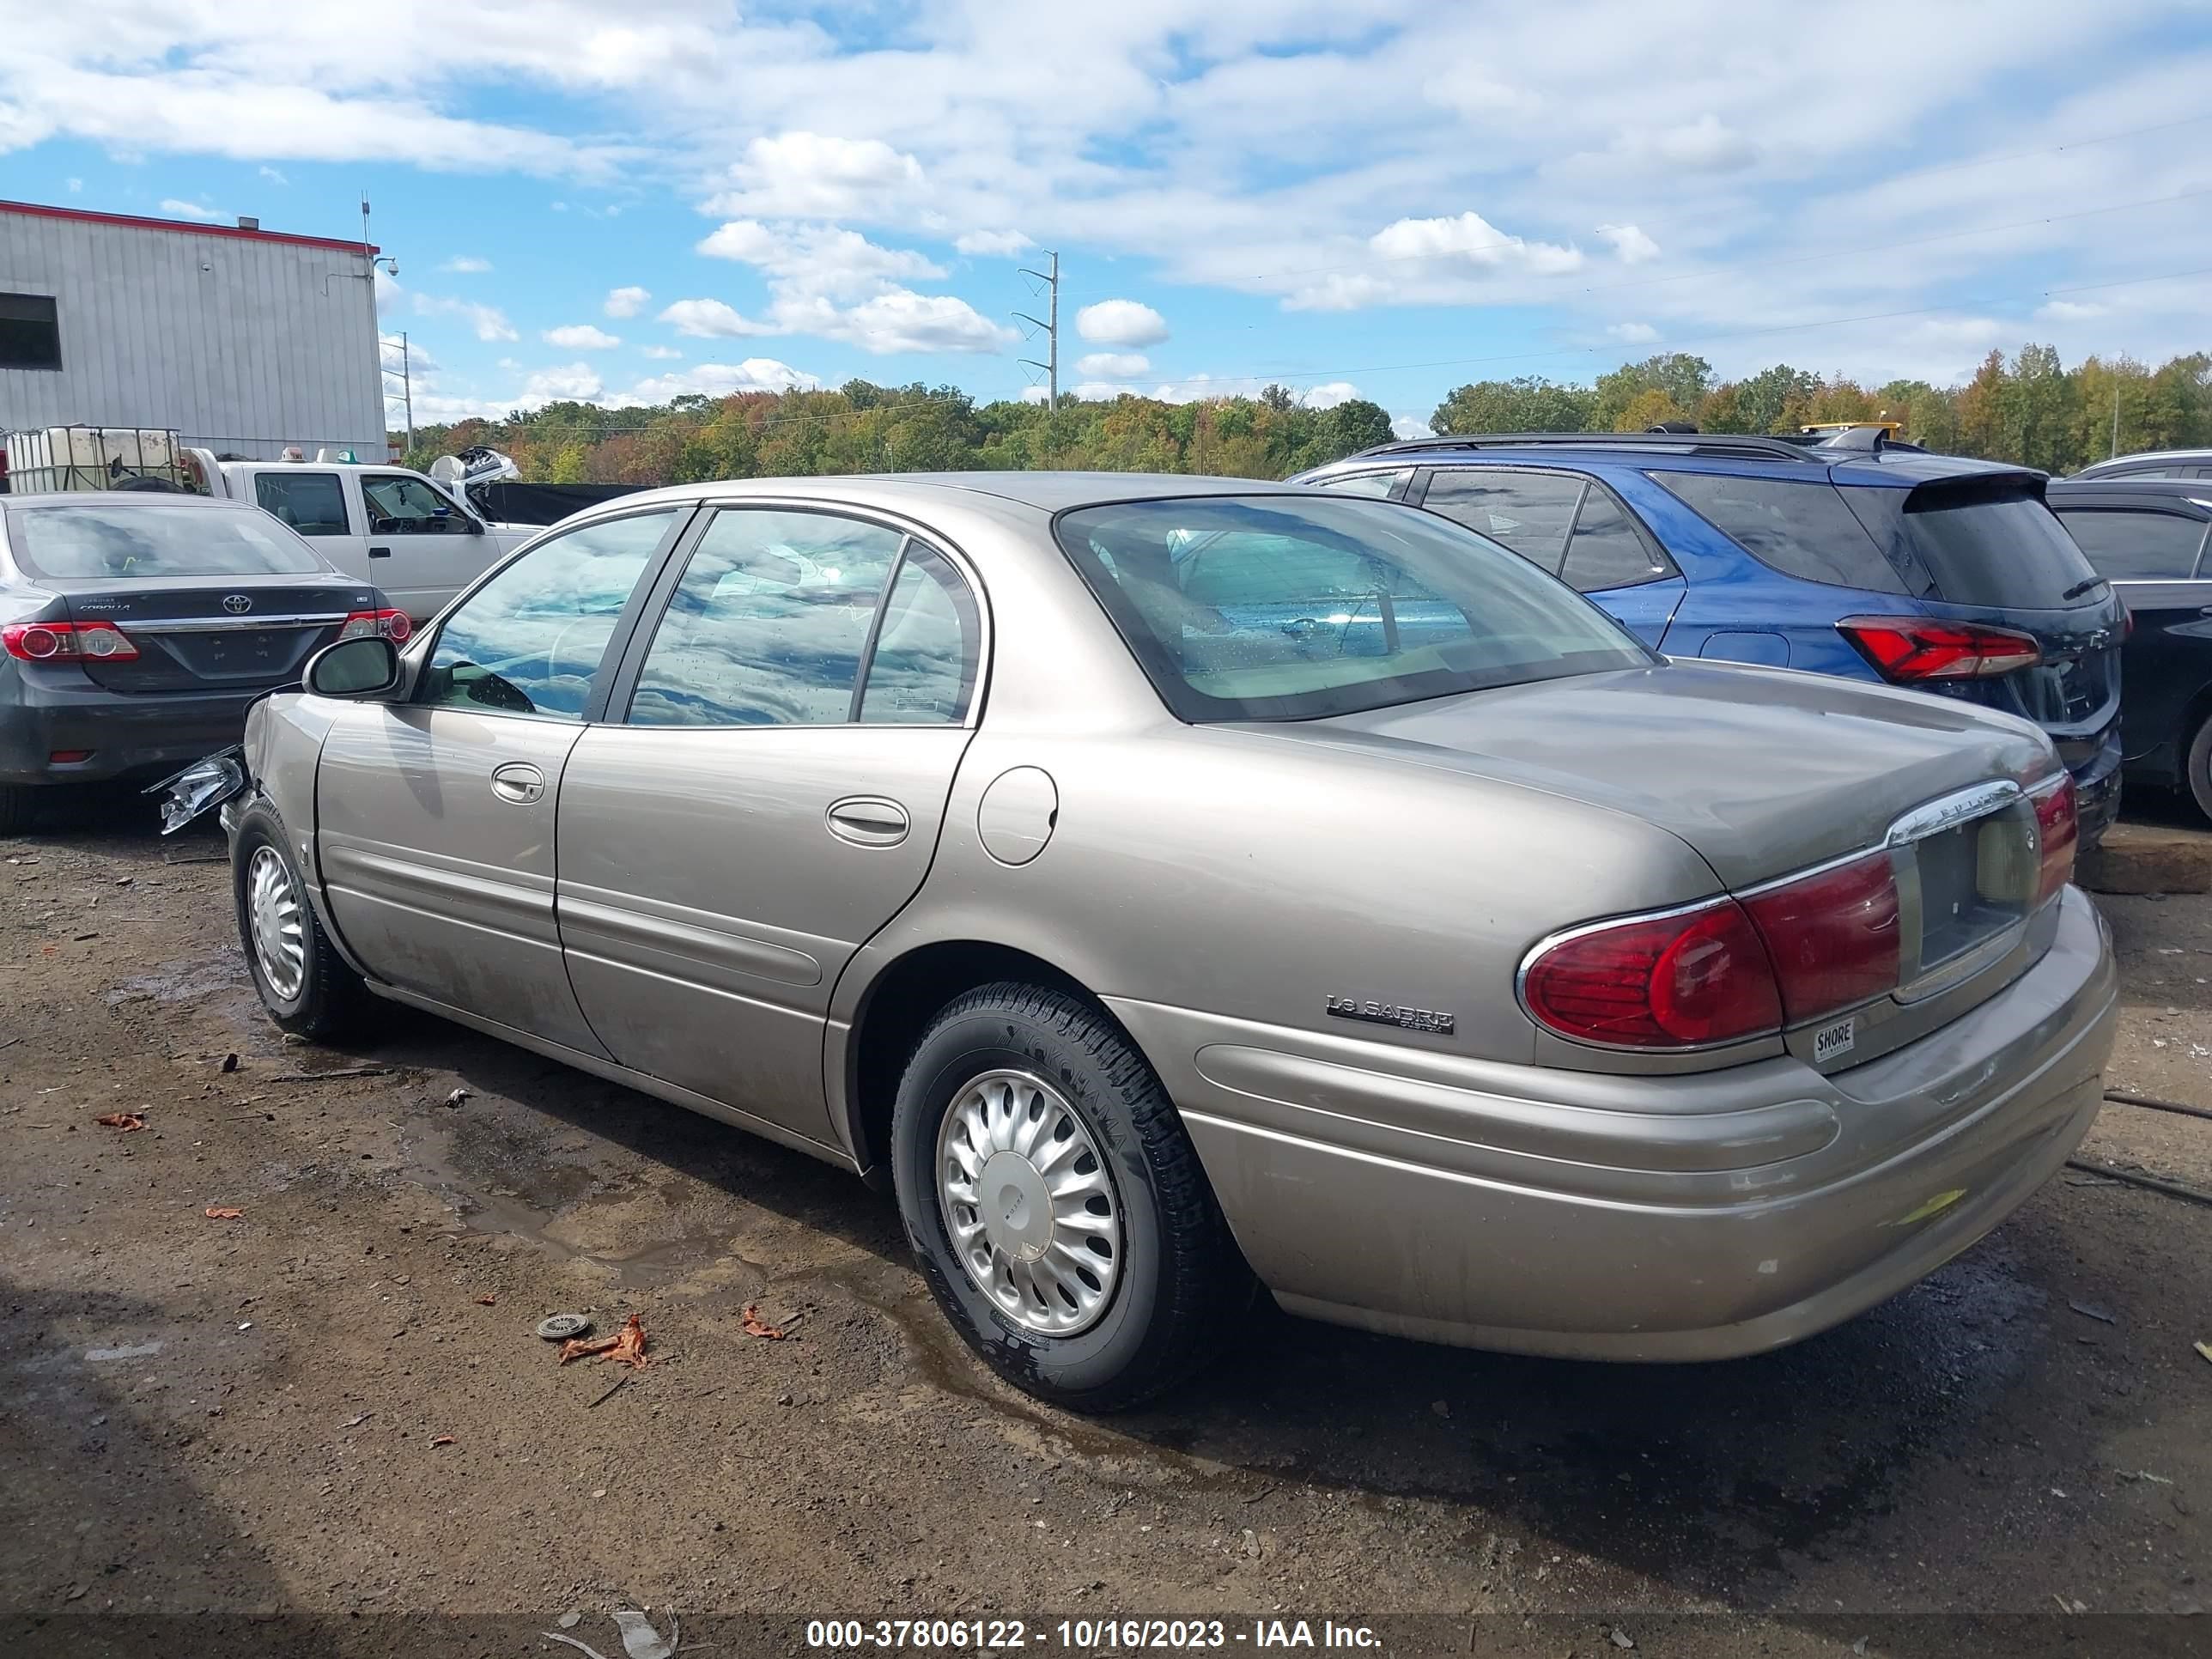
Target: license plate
x=1833, y=1041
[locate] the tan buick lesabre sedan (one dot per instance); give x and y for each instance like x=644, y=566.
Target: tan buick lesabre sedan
x=1169, y=885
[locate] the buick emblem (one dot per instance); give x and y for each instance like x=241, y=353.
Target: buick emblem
x=237, y=603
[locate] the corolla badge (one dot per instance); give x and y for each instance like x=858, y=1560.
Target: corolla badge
x=237, y=603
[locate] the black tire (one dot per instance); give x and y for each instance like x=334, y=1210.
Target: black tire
x=331, y=997
x=1181, y=1286
x=2198, y=771
x=16, y=809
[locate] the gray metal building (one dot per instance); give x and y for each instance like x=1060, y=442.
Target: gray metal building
x=241, y=339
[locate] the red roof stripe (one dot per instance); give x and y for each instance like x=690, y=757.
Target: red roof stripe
x=39, y=211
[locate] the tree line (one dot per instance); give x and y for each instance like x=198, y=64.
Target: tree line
x=2028, y=408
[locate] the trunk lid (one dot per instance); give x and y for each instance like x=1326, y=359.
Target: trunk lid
x=1762, y=771
x=198, y=632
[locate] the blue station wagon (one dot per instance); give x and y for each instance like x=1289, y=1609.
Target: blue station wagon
x=1855, y=556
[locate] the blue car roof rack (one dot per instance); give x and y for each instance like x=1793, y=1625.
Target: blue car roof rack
x=1736, y=446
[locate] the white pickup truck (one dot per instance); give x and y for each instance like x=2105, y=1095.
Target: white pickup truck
x=418, y=543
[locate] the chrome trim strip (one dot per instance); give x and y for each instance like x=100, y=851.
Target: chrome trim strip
x=224, y=625
x=1948, y=811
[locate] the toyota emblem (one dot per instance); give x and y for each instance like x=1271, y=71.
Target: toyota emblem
x=237, y=603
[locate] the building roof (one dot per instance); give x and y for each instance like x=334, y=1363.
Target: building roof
x=39, y=211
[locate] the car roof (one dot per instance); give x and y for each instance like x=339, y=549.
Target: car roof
x=2147, y=456
x=1046, y=492
x=1713, y=451
x=2198, y=492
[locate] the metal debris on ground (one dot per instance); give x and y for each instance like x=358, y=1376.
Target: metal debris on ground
x=332, y=1075
x=559, y=1328
x=458, y=1095
x=2087, y=1311
x=756, y=1326
x=125, y=1121
x=1621, y=1638
x=218, y=1212
x=625, y=1347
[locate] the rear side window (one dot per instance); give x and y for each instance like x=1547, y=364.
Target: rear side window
x=1802, y=530
x=149, y=543
x=1530, y=511
x=2136, y=547
x=313, y=503
x=1606, y=552
x=1981, y=540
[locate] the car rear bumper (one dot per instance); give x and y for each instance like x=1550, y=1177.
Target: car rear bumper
x=2097, y=785
x=125, y=736
x=1657, y=1218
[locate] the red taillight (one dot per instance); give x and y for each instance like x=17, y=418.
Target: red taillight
x=1672, y=982
x=368, y=624
x=1906, y=650
x=2058, y=832
x=1832, y=937
x=61, y=642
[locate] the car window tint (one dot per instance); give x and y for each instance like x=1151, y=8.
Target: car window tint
x=922, y=671
x=1363, y=484
x=1800, y=529
x=2125, y=546
x=401, y=506
x=1530, y=511
x=313, y=503
x=105, y=538
x=1606, y=551
x=1301, y=607
x=530, y=640
x=768, y=624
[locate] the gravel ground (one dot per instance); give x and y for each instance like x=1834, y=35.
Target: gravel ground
x=327, y=1425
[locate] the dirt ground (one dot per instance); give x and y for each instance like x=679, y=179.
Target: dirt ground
x=327, y=1425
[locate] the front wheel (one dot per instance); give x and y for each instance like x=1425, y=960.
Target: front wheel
x=1056, y=1204
x=2198, y=770
x=308, y=989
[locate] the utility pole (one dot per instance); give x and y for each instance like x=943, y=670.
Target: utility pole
x=1051, y=327
x=2116, y=421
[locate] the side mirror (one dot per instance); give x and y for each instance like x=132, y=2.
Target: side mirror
x=475, y=526
x=362, y=669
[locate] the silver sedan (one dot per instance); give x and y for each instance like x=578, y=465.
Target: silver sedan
x=1174, y=885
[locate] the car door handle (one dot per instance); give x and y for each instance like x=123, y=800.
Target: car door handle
x=868, y=821
x=380, y=552
x=518, y=781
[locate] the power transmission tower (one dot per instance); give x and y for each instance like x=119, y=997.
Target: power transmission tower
x=1051, y=327
x=406, y=386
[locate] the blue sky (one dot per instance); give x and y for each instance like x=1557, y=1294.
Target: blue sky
x=629, y=203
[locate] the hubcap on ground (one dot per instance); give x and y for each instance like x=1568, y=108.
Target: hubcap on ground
x=272, y=909
x=1032, y=1211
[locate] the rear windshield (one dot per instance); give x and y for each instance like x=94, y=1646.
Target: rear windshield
x=1285, y=609
x=1980, y=541
x=106, y=539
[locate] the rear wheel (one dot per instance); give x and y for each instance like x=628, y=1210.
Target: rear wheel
x=1055, y=1203
x=305, y=985
x=16, y=801
x=2198, y=769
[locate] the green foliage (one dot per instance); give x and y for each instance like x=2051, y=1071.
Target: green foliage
x=2030, y=409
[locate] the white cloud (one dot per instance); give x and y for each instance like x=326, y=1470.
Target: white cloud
x=721, y=380
x=1633, y=333
x=273, y=176
x=984, y=244
x=1098, y=391
x=466, y=264
x=1409, y=426
x=1468, y=239
x=1113, y=365
x=189, y=209
x=902, y=320
x=810, y=175
x=709, y=319
x=1120, y=323
x=571, y=382
x=660, y=353
x=817, y=258
x=625, y=301
x=490, y=322
x=580, y=337
x=77, y=186
x=2066, y=311
x=1189, y=390
x=1329, y=395
x=1706, y=144
x=1630, y=245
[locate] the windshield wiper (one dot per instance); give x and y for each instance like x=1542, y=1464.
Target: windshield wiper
x=2079, y=588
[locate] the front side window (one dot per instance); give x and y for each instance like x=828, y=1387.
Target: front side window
x=313, y=503
x=30, y=331
x=1530, y=511
x=771, y=623
x=533, y=638
x=1274, y=608
x=1800, y=529
x=115, y=539
x=401, y=506
x=2136, y=547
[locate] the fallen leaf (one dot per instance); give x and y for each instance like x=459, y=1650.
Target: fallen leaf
x=487, y=1302
x=441, y=1440
x=216, y=1213
x=625, y=1347
x=756, y=1326
x=125, y=1121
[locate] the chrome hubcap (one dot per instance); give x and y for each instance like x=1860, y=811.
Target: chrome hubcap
x=272, y=909
x=1032, y=1211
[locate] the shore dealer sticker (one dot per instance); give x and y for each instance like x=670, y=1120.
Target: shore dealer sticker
x=1834, y=1041
x=1391, y=1013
